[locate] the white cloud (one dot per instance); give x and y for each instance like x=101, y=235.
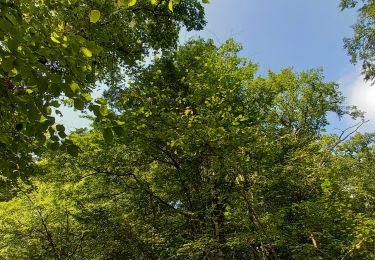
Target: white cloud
x=361, y=94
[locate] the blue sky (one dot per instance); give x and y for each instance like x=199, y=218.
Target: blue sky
x=284, y=33
x=302, y=34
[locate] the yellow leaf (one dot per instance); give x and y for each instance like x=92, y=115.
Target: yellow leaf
x=154, y=2
x=94, y=16
x=74, y=87
x=132, y=2
x=170, y=5
x=86, y=52
x=54, y=34
x=54, y=37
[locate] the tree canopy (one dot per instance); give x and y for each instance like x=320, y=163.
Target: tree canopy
x=56, y=50
x=191, y=154
x=206, y=161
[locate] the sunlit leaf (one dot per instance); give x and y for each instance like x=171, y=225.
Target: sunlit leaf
x=87, y=97
x=94, y=16
x=120, y=122
x=101, y=101
x=54, y=37
x=132, y=2
x=86, y=52
x=74, y=87
x=103, y=110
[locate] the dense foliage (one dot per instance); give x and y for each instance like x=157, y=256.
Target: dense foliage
x=58, y=50
x=190, y=155
x=206, y=161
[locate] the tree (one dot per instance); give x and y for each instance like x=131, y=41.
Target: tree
x=230, y=150
x=71, y=209
x=56, y=50
x=361, y=46
x=204, y=160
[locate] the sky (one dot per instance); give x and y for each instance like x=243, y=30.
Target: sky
x=301, y=34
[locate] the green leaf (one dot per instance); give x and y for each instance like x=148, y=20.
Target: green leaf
x=101, y=101
x=206, y=1
x=55, y=103
x=53, y=146
x=154, y=2
x=58, y=112
x=86, y=52
x=7, y=64
x=242, y=118
x=54, y=138
x=120, y=3
x=60, y=128
x=94, y=16
x=12, y=45
x=5, y=139
x=78, y=104
x=73, y=150
x=13, y=72
x=11, y=18
x=40, y=137
x=103, y=110
x=128, y=3
x=120, y=122
x=87, y=97
x=108, y=134
x=74, y=87
x=119, y=131
x=62, y=134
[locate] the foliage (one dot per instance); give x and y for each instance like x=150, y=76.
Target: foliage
x=204, y=160
x=56, y=50
x=361, y=46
